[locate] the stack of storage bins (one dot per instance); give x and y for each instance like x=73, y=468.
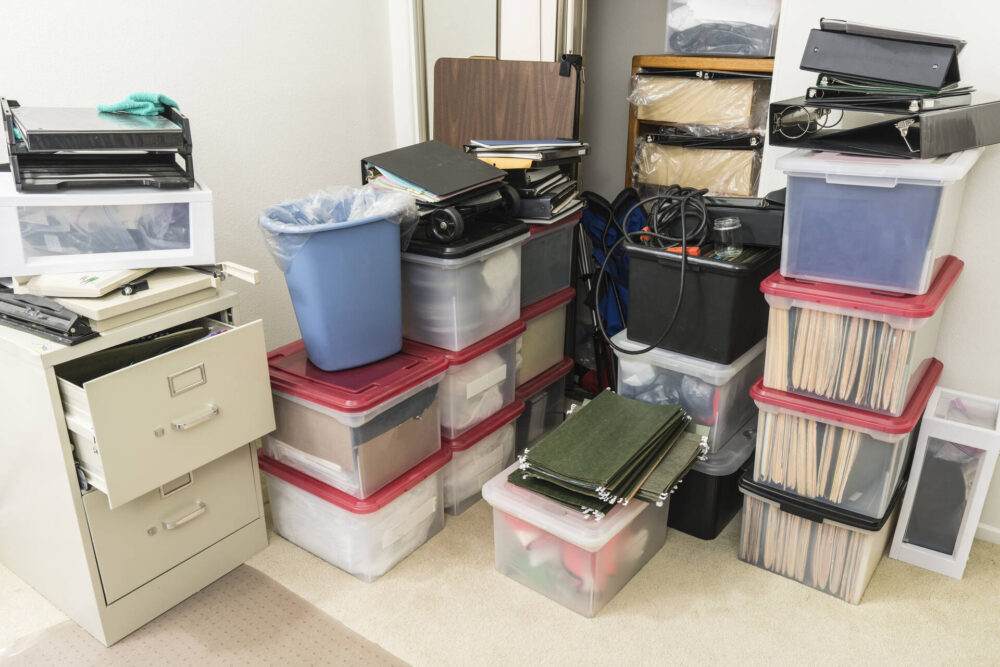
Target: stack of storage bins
x=849, y=365
x=461, y=304
x=355, y=466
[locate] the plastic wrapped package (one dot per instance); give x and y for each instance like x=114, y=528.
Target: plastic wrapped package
x=479, y=380
x=365, y=538
x=452, y=303
x=722, y=171
x=477, y=456
x=702, y=107
x=574, y=560
x=722, y=27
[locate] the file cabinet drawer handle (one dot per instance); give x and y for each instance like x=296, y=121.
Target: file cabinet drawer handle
x=176, y=523
x=191, y=421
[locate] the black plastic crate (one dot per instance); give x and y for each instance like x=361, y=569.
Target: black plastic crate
x=723, y=313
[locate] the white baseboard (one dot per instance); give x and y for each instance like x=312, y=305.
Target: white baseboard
x=988, y=533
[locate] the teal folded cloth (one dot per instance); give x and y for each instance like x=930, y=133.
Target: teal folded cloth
x=140, y=104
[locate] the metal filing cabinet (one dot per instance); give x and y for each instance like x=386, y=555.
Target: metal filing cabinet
x=167, y=447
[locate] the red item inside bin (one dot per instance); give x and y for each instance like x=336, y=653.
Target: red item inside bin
x=380, y=499
x=547, y=377
x=560, y=298
x=484, y=428
x=355, y=389
x=492, y=342
x=861, y=298
x=857, y=417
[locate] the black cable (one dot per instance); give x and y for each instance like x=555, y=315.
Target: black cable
x=669, y=208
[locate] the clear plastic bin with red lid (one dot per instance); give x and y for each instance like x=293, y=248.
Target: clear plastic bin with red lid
x=547, y=259
x=367, y=537
x=357, y=429
x=851, y=345
x=544, y=340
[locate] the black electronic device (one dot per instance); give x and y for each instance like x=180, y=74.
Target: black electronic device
x=43, y=317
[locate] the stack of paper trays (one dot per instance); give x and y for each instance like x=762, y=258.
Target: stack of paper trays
x=605, y=454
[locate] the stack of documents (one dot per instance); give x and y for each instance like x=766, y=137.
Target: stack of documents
x=605, y=454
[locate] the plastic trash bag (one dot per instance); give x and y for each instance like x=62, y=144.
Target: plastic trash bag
x=289, y=225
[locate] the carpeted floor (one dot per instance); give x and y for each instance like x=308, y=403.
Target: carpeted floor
x=221, y=625
x=693, y=603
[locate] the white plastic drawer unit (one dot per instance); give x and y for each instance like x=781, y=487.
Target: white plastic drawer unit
x=146, y=412
x=99, y=230
x=139, y=541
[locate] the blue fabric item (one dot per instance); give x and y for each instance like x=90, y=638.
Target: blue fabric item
x=603, y=236
x=140, y=104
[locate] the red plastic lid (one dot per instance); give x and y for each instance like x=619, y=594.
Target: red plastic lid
x=843, y=414
x=560, y=298
x=484, y=428
x=547, y=377
x=380, y=499
x=541, y=229
x=355, y=389
x=860, y=298
x=505, y=335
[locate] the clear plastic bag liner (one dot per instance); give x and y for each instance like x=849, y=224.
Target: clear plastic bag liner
x=722, y=171
x=701, y=107
x=288, y=226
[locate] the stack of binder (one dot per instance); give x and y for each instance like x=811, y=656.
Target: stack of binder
x=855, y=309
x=885, y=92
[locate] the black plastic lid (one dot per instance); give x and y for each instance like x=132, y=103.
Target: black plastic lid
x=479, y=235
x=817, y=511
x=701, y=263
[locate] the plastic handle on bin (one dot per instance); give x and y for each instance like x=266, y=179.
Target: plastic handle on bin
x=865, y=181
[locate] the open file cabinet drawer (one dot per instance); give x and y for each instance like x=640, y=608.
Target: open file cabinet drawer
x=140, y=426
x=139, y=541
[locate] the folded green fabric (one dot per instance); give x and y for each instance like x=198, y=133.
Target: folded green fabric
x=677, y=463
x=140, y=104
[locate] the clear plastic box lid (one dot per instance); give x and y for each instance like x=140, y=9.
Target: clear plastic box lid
x=373, y=503
x=485, y=428
x=733, y=454
x=587, y=533
x=547, y=377
x=355, y=395
x=10, y=196
x=854, y=418
x=458, y=262
x=707, y=371
x=839, y=168
x=880, y=302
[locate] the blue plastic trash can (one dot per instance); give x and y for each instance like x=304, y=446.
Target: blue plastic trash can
x=346, y=291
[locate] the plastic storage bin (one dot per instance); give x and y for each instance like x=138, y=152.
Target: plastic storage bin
x=340, y=254
x=478, y=455
x=833, y=552
x=454, y=296
x=714, y=395
x=722, y=27
x=106, y=229
x=544, y=404
x=952, y=469
x=578, y=562
x=848, y=458
x=365, y=538
x=547, y=260
x=359, y=429
x=871, y=222
x=543, y=342
x=723, y=313
x=709, y=496
x=479, y=381
x=851, y=345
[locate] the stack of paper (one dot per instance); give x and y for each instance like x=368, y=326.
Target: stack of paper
x=603, y=455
